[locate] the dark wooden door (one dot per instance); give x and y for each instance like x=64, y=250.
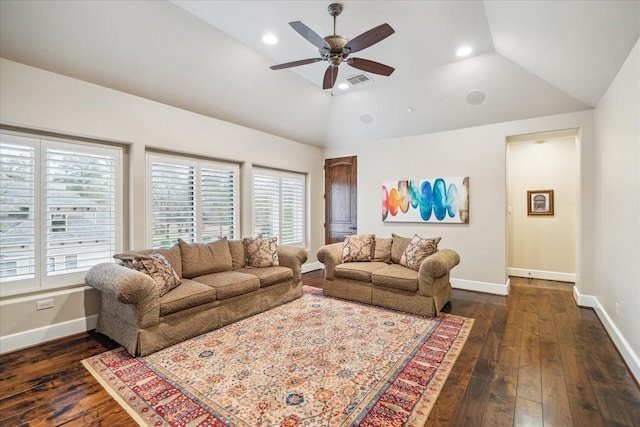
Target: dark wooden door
x=340, y=198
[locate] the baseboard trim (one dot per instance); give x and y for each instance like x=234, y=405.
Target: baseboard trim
x=629, y=356
x=43, y=334
x=488, y=288
x=541, y=274
x=312, y=266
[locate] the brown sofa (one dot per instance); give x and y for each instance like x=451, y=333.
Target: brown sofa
x=216, y=288
x=383, y=281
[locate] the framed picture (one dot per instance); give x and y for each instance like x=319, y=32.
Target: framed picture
x=540, y=202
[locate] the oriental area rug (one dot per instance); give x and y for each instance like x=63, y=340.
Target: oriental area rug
x=316, y=361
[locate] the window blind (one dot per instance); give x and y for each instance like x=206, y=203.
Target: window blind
x=279, y=206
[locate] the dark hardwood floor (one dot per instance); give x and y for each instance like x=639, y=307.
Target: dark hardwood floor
x=533, y=359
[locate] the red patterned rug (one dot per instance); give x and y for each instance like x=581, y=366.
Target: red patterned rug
x=316, y=361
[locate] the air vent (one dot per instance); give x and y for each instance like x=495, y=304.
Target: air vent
x=359, y=79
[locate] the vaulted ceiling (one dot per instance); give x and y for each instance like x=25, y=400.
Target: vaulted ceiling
x=529, y=59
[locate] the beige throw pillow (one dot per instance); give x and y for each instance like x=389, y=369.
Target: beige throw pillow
x=260, y=252
x=417, y=250
x=172, y=255
x=158, y=268
x=358, y=248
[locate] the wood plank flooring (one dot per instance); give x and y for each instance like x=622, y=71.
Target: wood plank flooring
x=532, y=359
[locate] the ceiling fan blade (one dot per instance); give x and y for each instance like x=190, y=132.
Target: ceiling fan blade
x=370, y=66
x=309, y=34
x=295, y=63
x=330, y=77
x=369, y=38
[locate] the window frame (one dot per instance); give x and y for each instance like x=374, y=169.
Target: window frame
x=198, y=164
x=41, y=278
x=280, y=175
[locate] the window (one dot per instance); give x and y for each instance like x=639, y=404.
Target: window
x=279, y=206
x=59, y=201
x=195, y=200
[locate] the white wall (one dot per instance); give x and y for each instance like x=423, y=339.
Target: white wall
x=542, y=245
x=479, y=153
x=37, y=99
x=617, y=219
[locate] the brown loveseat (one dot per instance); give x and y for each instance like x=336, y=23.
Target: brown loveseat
x=395, y=276
x=216, y=287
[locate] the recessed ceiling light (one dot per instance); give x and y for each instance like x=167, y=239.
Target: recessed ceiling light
x=409, y=110
x=269, y=39
x=366, y=119
x=343, y=86
x=475, y=97
x=464, y=51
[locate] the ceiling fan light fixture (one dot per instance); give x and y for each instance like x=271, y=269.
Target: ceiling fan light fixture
x=343, y=86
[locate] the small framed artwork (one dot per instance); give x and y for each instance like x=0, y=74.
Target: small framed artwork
x=540, y=202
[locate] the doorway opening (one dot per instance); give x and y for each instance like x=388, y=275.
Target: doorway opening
x=542, y=205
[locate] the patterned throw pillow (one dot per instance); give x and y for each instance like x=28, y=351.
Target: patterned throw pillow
x=158, y=268
x=417, y=250
x=261, y=252
x=358, y=248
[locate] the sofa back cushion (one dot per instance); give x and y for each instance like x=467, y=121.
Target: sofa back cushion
x=173, y=255
x=383, y=249
x=358, y=248
x=398, y=246
x=205, y=258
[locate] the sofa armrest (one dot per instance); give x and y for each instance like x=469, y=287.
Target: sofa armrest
x=435, y=266
x=124, y=286
x=292, y=257
x=330, y=255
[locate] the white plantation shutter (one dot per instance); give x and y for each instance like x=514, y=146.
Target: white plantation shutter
x=266, y=205
x=172, y=203
x=219, y=195
x=17, y=208
x=80, y=207
x=292, y=210
x=278, y=206
x=195, y=200
x=60, y=210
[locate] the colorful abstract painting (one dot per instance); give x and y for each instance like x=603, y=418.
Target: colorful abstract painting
x=444, y=200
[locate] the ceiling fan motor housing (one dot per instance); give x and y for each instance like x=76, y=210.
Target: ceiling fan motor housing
x=336, y=52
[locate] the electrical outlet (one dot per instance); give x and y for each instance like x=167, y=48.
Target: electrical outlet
x=617, y=310
x=44, y=304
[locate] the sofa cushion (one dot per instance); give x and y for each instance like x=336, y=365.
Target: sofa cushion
x=261, y=252
x=397, y=277
x=398, y=245
x=158, y=268
x=358, y=270
x=383, y=249
x=172, y=254
x=358, y=248
x=236, y=247
x=417, y=250
x=199, y=258
x=189, y=294
x=269, y=275
x=230, y=283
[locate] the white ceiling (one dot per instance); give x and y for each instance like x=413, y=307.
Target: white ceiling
x=530, y=58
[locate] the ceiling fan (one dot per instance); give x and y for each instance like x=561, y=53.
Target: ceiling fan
x=335, y=49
